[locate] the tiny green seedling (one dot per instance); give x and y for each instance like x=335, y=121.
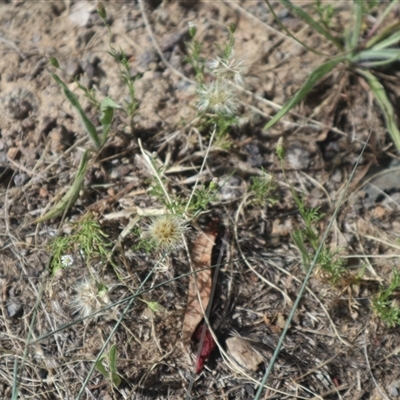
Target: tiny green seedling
x=384, y=305
x=262, y=186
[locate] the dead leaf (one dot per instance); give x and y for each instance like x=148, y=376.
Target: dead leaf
x=200, y=284
x=244, y=353
x=207, y=347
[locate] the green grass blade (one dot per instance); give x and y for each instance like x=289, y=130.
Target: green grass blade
x=384, y=104
x=356, y=30
x=107, y=108
x=71, y=196
x=90, y=128
x=290, y=34
x=393, y=39
x=316, y=26
x=311, y=81
x=383, y=54
x=386, y=32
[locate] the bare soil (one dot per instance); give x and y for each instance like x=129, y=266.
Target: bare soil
x=336, y=347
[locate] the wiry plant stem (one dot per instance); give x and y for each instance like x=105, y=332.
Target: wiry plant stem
x=307, y=277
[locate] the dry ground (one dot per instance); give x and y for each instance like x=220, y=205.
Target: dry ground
x=336, y=347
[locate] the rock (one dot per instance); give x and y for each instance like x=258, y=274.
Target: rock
x=14, y=309
x=298, y=157
x=60, y=139
x=18, y=103
x=20, y=179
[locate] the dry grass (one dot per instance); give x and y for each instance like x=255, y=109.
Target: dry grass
x=337, y=347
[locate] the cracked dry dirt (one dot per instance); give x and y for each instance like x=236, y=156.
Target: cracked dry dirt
x=336, y=347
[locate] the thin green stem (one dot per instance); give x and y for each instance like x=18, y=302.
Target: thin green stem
x=307, y=277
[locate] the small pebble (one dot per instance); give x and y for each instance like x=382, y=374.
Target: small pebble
x=14, y=309
x=20, y=179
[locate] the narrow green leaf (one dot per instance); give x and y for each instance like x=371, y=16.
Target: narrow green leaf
x=298, y=239
x=90, y=128
x=100, y=367
x=383, y=54
x=356, y=29
x=54, y=62
x=386, y=32
x=290, y=34
x=311, y=81
x=112, y=359
x=384, y=104
x=107, y=107
x=116, y=379
x=299, y=12
x=393, y=39
x=154, y=306
x=72, y=194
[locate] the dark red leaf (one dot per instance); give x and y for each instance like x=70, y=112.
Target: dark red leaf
x=207, y=347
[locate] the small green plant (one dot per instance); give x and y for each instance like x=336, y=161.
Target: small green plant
x=359, y=50
x=262, y=186
x=217, y=103
x=121, y=58
x=383, y=303
x=188, y=209
x=87, y=241
x=105, y=110
x=193, y=56
x=111, y=371
x=325, y=13
x=308, y=236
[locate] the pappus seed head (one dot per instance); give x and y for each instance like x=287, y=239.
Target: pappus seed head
x=216, y=97
x=166, y=231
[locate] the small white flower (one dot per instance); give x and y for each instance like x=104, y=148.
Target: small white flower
x=217, y=97
x=228, y=69
x=67, y=260
x=166, y=231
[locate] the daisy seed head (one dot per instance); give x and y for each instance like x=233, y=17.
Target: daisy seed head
x=228, y=69
x=166, y=231
x=216, y=97
x=89, y=297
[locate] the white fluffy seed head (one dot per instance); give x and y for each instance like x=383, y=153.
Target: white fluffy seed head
x=216, y=97
x=227, y=69
x=166, y=231
x=88, y=297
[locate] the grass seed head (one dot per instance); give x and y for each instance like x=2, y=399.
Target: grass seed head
x=166, y=231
